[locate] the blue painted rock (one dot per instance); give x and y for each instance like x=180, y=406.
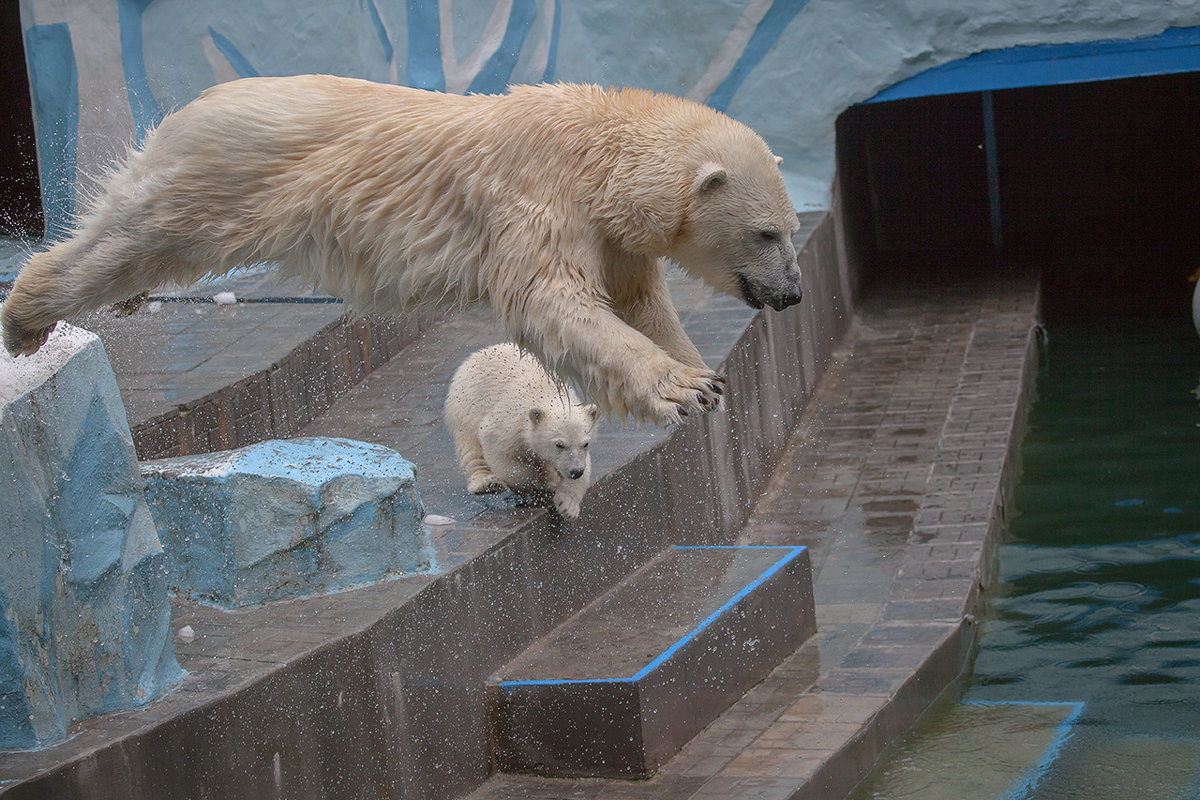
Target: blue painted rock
x=84, y=618
x=283, y=519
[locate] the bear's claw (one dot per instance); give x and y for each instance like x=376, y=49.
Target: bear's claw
x=682, y=391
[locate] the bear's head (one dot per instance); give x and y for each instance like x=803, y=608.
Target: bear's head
x=738, y=227
x=561, y=437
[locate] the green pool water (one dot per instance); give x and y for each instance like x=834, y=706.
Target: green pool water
x=1086, y=680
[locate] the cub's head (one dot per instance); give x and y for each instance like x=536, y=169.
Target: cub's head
x=737, y=234
x=561, y=437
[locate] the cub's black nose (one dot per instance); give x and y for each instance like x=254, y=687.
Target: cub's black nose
x=575, y=474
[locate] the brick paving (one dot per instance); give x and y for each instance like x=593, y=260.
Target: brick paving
x=896, y=480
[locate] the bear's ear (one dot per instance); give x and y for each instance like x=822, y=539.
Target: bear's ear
x=710, y=176
x=535, y=416
x=592, y=412
x=778, y=160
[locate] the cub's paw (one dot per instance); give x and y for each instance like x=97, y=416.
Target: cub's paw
x=567, y=507
x=486, y=484
x=684, y=391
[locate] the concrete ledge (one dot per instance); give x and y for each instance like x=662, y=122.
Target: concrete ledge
x=276, y=402
x=616, y=690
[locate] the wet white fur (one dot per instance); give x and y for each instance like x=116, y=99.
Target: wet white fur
x=515, y=427
x=554, y=202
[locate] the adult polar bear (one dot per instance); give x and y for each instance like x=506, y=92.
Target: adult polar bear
x=554, y=202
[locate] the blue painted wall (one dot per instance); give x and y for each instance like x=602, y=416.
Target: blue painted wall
x=787, y=68
x=54, y=84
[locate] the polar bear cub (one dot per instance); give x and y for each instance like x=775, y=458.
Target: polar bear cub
x=515, y=427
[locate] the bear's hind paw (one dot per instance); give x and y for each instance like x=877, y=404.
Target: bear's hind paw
x=21, y=341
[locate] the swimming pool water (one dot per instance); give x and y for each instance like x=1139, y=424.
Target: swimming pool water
x=1098, y=592
x=1096, y=602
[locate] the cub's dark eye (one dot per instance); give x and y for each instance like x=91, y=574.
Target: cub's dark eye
x=560, y=445
x=771, y=236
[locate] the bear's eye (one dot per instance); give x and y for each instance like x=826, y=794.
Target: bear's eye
x=585, y=445
x=560, y=445
x=771, y=235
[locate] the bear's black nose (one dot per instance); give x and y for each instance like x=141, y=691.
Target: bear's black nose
x=786, y=299
x=575, y=474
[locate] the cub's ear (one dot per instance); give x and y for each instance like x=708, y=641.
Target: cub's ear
x=778, y=160
x=592, y=412
x=710, y=176
x=535, y=416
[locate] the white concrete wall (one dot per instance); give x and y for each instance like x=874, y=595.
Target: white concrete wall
x=785, y=67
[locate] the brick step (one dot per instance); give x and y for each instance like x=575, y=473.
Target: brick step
x=618, y=688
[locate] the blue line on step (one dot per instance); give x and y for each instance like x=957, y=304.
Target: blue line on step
x=1023, y=787
x=792, y=554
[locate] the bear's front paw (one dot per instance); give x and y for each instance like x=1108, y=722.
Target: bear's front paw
x=684, y=391
x=567, y=507
x=486, y=484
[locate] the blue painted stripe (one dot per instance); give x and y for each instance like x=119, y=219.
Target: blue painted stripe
x=1024, y=787
x=241, y=65
x=552, y=57
x=54, y=87
x=792, y=554
x=496, y=74
x=738, y=547
x=142, y=104
x=713, y=617
x=389, y=52
x=769, y=29
x=1172, y=51
x=424, y=46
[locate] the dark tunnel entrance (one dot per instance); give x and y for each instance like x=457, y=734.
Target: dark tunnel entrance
x=1096, y=184
x=20, y=194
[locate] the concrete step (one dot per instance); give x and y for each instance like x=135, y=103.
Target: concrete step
x=618, y=688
